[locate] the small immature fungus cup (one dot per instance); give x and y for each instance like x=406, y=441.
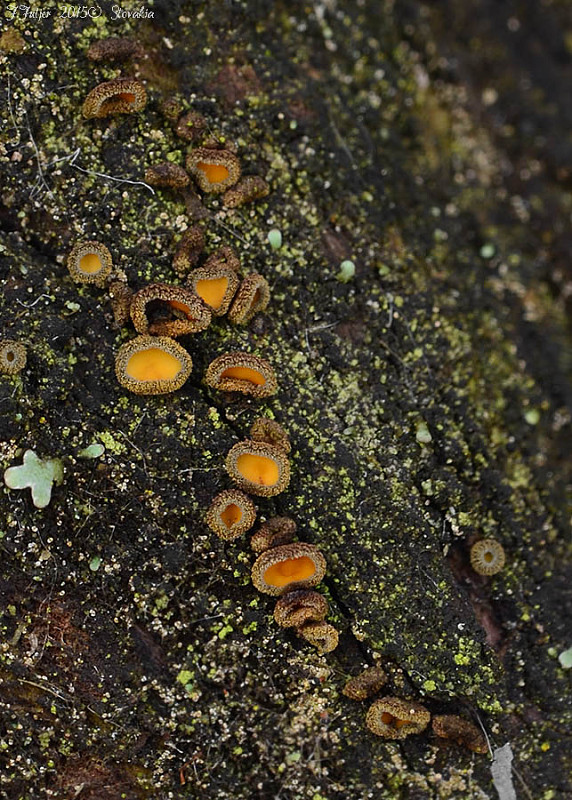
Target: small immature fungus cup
x=191, y=126
x=460, y=731
x=395, y=718
x=271, y=432
x=114, y=48
x=90, y=262
x=322, y=635
x=253, y=295
x=242, y=372
x=250, y=188
x=120, y=297
x=12, y=357
x=119, y=96
x=215, y=285
x=274, y=532
x=167, y=174
x=166, y=310
x=487, y=557
x=291, y=566
x=213, y=170
x=224, y=256
x=231, y=514
x=295, y=609
x=188, y=250
x=258, y=468
x=366, y=684
x=152, y=365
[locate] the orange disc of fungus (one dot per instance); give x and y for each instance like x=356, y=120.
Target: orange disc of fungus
x=258, y=468
x=242, y=372
x=395, y=718
x=291, y=566
x=253, y=295
x=230, y=514
x=152, y=365
x=213, y=170
x=215, y=285
x=90, y=262
x=119, y=96
x=166, y=310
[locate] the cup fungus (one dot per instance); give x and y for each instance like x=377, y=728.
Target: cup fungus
x=274, y=532
x=291, y=566
x=253, y=295
x=120, y=296
x=167, y=174
x=258, y=468
x=118, y=96
x=215, y=285
x=230, y=514
x=366, y=684
x=166, y=310
x=191, y=126
x=188, y=250
x=271, y=432
x=250, y=188
x=459, y=730
x=322, y=635
x=152, y=365
x=114, y=48
x=242, y=372
x=90, y=262
x=213, y=170
x=395, y=718
x=12, y=357
x=487, y=557
x=295, y=609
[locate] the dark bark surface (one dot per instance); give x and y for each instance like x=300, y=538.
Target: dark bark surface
x=427, y=400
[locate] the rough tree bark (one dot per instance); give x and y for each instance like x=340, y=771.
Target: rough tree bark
x=428, y=402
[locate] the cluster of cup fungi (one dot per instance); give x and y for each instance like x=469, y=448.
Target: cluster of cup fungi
x=155, y=363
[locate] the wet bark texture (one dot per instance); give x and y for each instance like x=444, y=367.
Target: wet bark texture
x=427, y=399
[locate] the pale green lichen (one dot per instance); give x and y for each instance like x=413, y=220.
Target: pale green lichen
x=36, y=474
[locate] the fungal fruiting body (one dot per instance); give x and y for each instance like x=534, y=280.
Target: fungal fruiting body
x=215, y=285
x=459, y=730
x=395, y=718
x=90, y=262
x=271, y=432
x=167, y=174
x=120, y=296
x=12, y=356
x=190, y=126
x=299, y=607
x=118, y=96
x=487, y=557
x=258, y=468
x=152, y=365
x=224, y=256
x=253, y=295
x=291, y=566
x=167, y=310
x=231, y=513
x=322, y=635
x=366, y=684
x=114, y=48
x=188, y=250
x=250, y=188
x=213, y=170
x=242, y=372
x=274, y=532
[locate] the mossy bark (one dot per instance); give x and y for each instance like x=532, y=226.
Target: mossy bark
x=427, y=400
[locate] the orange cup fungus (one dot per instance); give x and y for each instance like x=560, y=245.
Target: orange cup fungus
x=119, y=96
x=167, y=174
x=12, y=357
x=487, y=557
x=297, y=608
x=253, y=295
x=90, y=262
x=274, y=532
x=250, y=188
x=213, y=170
x=258, y=468
x=291, y=566
x=188, y=250
x=395, y=718
x=366, y=684
x=230, y=514
x=322, y=635
x=152, y=365
x=460, y=731
x=167, y=310
x=271, y=432
x=215, y=285
x=242, y=372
